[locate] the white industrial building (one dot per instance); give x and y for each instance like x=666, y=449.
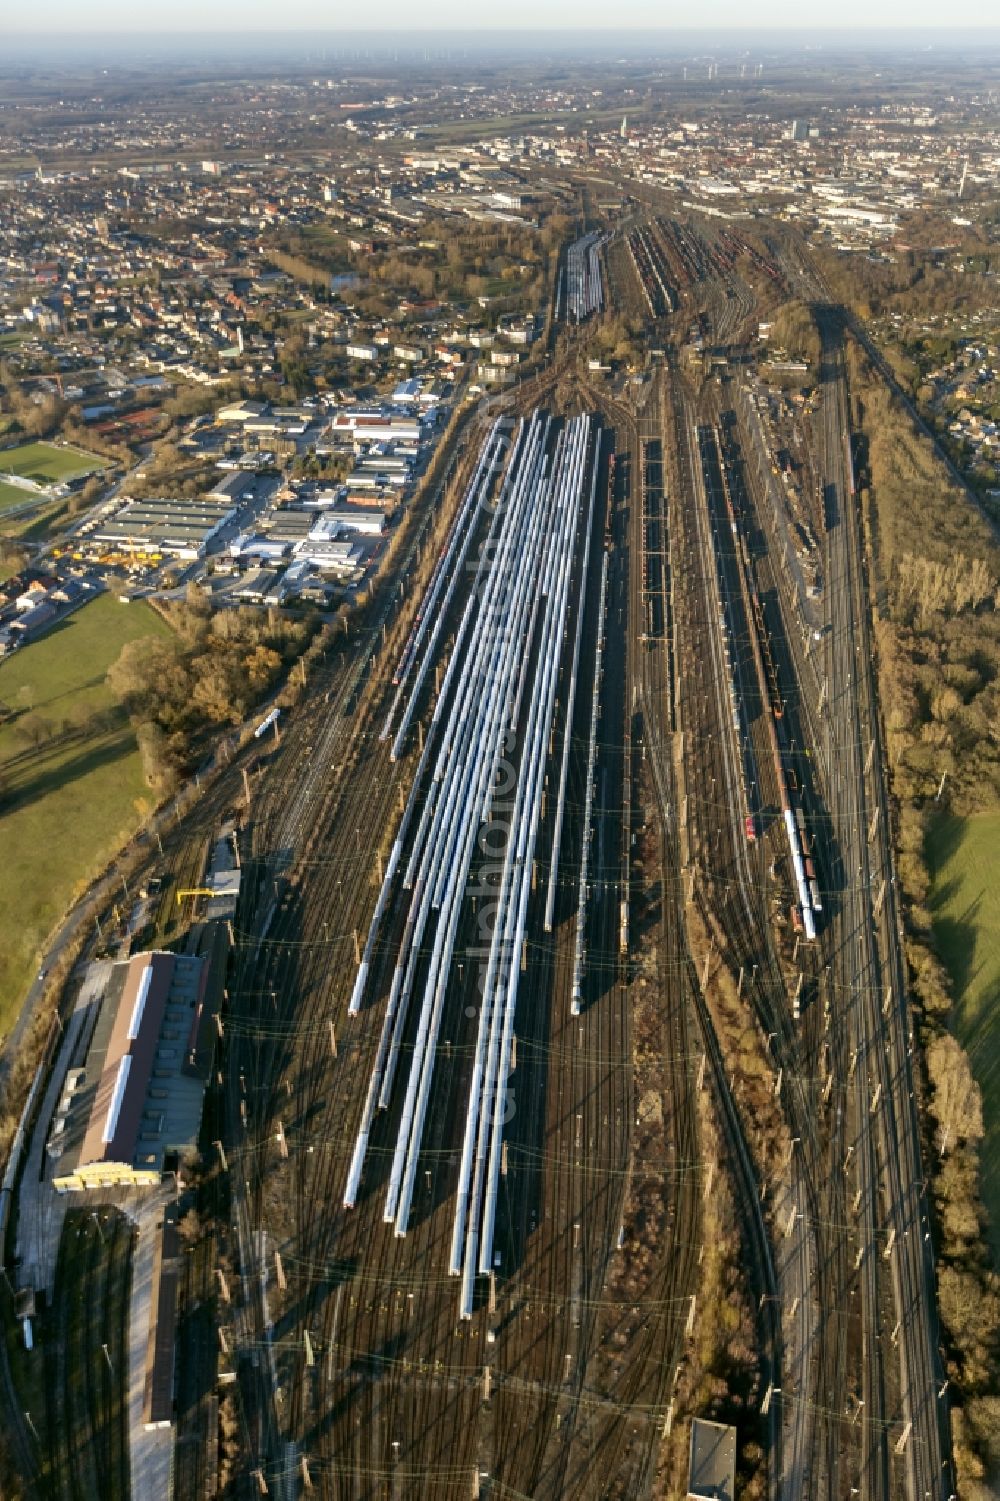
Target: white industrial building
x=368, y=521
x=375, y=427
x=331, y=554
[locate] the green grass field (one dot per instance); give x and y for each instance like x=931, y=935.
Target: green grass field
x=11, y=495
x=964, y=859
x=69, y=801
x=45, y=463
x=39, y=524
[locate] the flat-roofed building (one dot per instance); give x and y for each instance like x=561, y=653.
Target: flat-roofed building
x=375, y=427
x=338, y=555
x=259, y=548
x=369, y=520
x=161, y=1344
x=256, y=585
x=184, y=527
x=137, y=1099
x=245, y=487
x=242, y=411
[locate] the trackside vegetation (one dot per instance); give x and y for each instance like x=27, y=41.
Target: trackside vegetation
x=935, y=571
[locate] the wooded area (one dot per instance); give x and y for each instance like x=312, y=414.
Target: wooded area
x=217, y=666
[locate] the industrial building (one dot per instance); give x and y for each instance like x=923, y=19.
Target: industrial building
x=407, y=393
x=368, y=520
x=333, y=555
x=376, y=426
x=244, y=487
x=256, y=585
x=135, y=1104
x=182, y=527
x=712, y=1468
x=161, y=1344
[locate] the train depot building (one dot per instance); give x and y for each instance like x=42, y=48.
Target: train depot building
x=133, y=1108
x=712, y=1467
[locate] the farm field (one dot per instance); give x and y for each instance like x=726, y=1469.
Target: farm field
x=964, y=859
x=46, y=463
x=71, y=783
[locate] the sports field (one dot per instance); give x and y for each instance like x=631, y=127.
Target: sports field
x=46, y=463
x=12, y=495
x=964, y=859
x=71, y=784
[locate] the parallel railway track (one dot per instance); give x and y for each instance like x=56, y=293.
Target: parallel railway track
x=387, y=1352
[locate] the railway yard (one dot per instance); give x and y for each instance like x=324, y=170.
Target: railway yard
x=488, y=1261
x=567, y=933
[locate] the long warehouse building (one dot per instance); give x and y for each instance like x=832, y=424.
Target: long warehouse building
x=184, y=527
x=136, y=1101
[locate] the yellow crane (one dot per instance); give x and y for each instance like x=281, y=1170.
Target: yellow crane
x=195, y=891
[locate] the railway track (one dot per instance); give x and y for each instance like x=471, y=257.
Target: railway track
x=87, y=1362
x=363, y=1295
x=584, y=281
x=663, y=695
x=731, y=898
x=358, y=1371
x=908, y=1417
x=824, y=1049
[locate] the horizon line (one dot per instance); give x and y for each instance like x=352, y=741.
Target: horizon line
x=851, y=28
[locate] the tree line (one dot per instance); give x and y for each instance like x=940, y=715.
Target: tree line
x=936, y=567
x=208, y=675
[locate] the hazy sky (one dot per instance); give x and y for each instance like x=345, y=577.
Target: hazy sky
x=316, y=15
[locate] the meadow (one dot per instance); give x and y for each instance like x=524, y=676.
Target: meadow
x=71, y=783
x=963, y=855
